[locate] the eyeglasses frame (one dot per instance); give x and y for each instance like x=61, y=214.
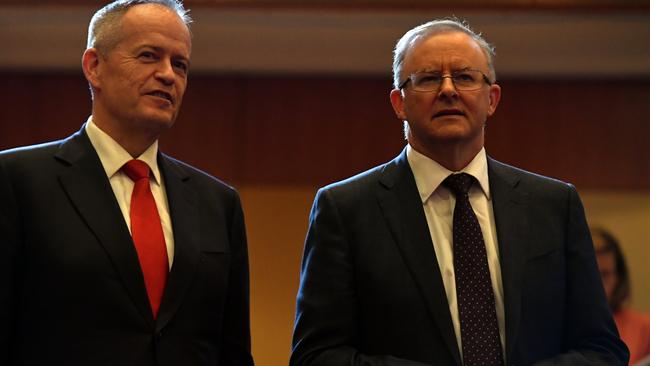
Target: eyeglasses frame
x=450, y=76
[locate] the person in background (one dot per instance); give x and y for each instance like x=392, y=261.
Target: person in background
x=633, y=326
x=111, y=252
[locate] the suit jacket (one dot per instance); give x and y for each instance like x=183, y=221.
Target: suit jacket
x=371, y=292
x=71, y=288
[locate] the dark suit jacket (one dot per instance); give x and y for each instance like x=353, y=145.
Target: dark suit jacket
x=371, y=291
x=71, y=288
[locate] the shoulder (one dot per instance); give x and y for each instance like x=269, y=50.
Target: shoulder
x=198, y=179
x=356, y=184
x=362, y=192
x=548, y=197
x=31, y=163
x=501, y=172
x=524, y=175
x=31, y=153
x=365, y=185
x=389, y=174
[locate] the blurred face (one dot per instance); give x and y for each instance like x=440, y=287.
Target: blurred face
x=607, y=268
x=139, y=85
x=446, y=115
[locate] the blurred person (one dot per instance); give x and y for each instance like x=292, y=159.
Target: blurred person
x=445, y=256
x=113, y=253
x=633, y=326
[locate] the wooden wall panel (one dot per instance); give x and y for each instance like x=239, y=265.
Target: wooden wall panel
x=316, y=130
x=313, y=130
x=37, y=108
x=592, y=133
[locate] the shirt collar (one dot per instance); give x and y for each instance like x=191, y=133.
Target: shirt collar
x=113, y=156
x=429, y=174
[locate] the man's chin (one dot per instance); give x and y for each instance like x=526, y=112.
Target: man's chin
x=452, y=131
x=449, y=137
x=159, y=122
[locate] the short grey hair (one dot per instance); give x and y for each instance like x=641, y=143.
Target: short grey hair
x=104, y=29
x=434, y=27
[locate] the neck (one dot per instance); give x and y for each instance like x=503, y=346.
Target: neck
x=452, y=156
x=135, y=141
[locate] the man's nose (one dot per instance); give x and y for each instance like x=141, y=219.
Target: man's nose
x=447, y=87
x=165, y=72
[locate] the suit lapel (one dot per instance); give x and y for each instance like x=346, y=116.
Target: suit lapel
x=183, y=208
x=85, y=182
x=509, y=205
x=402, y=208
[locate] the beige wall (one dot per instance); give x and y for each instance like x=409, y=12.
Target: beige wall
x=276, y=221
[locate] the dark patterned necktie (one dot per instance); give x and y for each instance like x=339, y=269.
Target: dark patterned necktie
x=478, y=320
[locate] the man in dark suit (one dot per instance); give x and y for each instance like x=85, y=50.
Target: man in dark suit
x=444, y=256
x=113, y=253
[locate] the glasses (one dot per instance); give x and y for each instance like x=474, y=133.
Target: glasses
x=463, y=80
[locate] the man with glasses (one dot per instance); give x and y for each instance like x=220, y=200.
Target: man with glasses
x=444, y=256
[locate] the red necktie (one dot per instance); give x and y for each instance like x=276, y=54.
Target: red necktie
x=147, y=233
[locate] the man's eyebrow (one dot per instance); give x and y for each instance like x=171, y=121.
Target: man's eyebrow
x=161, y=49
x=148, y=46
x=429, y=70
x=432, y=71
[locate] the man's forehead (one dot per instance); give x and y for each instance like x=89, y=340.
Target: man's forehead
x=448, y=46
x=448, y=40
x=149, y=8
x=152, y=14
x=145, y=20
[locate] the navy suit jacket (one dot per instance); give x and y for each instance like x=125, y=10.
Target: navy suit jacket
x=71, y=288
x=371, y=292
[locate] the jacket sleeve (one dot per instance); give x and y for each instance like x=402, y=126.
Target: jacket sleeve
x=326, y=323
x=236, y=349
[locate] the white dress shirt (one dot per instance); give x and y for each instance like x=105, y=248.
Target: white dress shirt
x=438, y=203
x=113, y=157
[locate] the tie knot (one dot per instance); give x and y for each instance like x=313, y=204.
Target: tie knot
x=136, y=170
x=459, y=183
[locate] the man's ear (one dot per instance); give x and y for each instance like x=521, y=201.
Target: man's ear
x=495, y=97
x=90, y=65
x=397, y=100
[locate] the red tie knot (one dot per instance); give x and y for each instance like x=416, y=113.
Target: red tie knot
x=136, y=170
